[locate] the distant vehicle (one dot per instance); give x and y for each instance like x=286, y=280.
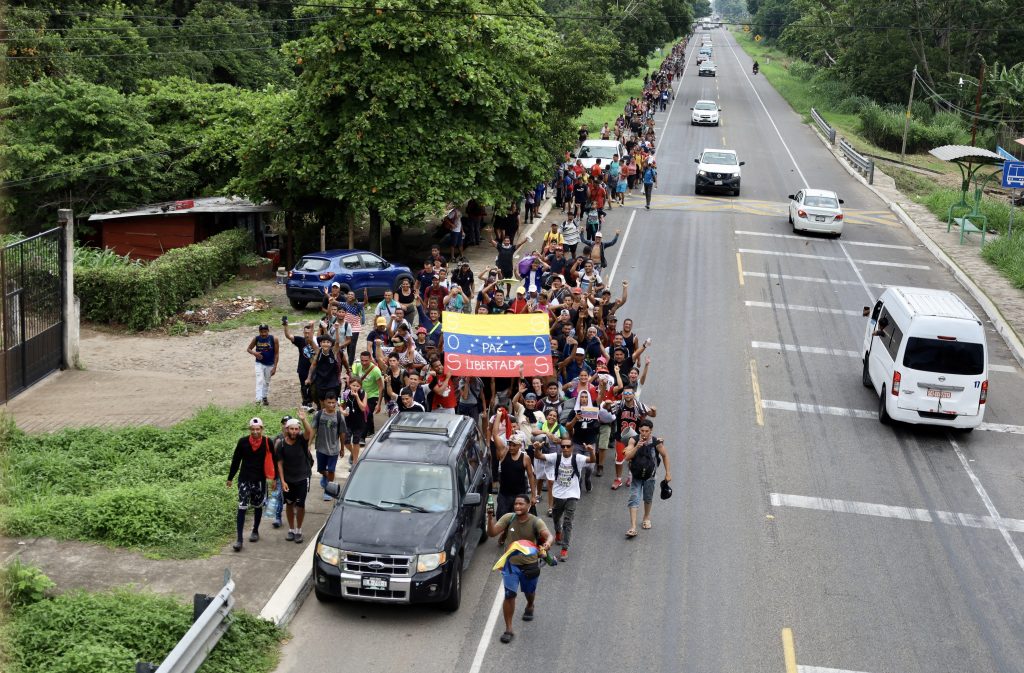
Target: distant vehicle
x=354, y=270
x=410, y=516
x=705, y=112
x=817, y=210
x=701, y=57
x=592, y=150
x=718, y=170
x=926, y=358
x=707, y=68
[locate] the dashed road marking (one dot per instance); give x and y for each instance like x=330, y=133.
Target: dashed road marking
x=822, y=240
x=811, y=350
x=799, y=307
x=807, y=279
x=832, y=258
x=802, y=407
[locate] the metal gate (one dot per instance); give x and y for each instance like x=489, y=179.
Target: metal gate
x=32, y=311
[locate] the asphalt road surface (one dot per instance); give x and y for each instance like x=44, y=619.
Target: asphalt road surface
x=881, y=550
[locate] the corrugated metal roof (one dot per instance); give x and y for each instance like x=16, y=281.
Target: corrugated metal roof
x=977, y=155
x=207, y=204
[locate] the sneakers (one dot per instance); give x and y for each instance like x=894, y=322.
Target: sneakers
x=327, y=498
x=616, y=484
x=254, y=536
x=563, y=555
x=629, y=480
x=600, y=470
x=587, y=481
x=290, y=536
x=264, y=402
x=558, y=537
x=277, y=523
x=298, y=536
x=237, y=546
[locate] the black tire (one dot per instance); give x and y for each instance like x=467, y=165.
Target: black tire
x=454, y=599
x=298, y=304
x=736, y=192
x=323, y=597
x=965, y=431
x=865, y=376
x=789, y=216
x=696, y=190
x=837, y=235
x=883, y=413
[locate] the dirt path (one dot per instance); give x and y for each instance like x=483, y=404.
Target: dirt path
x=155, y=380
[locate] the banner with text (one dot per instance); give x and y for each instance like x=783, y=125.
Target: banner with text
x=497, y=345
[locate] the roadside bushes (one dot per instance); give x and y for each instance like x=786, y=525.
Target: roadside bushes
x=883, y=126
x=143, y=295
x=997, y=211
x=108, y=632
x=1006, y=253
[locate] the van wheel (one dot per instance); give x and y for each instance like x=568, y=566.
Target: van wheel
x=865, y=376
x=454, y=599
x=883, y=413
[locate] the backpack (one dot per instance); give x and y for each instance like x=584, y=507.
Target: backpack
x=575, y=465
x=645, y=461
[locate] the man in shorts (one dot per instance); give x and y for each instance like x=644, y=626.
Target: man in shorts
x=253, y=454
x=645, y=453
x=516, y=575
x=293, y=467
x=329, y=432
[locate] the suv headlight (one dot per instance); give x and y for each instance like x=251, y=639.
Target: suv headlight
x=702, y=173
x=329, y=555
x=427, y=562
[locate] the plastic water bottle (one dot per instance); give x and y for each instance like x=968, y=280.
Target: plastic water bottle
x=270, y=506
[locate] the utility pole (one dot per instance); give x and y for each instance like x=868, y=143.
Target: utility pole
x=977, y=105
x=906, y=122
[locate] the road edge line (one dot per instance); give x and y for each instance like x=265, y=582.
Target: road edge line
x=758, y=402
x=789, y=650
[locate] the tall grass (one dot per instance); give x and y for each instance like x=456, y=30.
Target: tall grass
x=1006, y=253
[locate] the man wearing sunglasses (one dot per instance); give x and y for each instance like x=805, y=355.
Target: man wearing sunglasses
x=566, y=489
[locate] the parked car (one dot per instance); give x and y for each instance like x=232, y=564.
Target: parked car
x=718, y=170
x=592, y=150
x=352, y=269
x=816, y=210
x=410, y=516
x=707, y=68
x=705, y=112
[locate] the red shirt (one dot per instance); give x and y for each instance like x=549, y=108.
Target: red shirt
x=519, y=305
x=443, y=401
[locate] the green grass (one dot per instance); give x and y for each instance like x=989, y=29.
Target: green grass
x=1006, y=253
x=997, y=212
x=596, y=117
x=108, y=632
x=914, y=185
x=156, y=490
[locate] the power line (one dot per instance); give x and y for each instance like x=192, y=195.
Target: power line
x=180, y=26
x=48, y=176
x=95, y=38
x=950, y=105
x=146, y=54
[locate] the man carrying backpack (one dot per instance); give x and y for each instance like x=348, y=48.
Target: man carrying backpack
x=329, y=432
x=566, y=489
x=644, y=454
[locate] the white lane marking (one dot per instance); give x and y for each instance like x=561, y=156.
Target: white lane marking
x=800, y=407
x=768, y=114
x=793, y=348
x=830, y=258
x=860, y=276
x=822, y=669
x=1009, y=369
x=806, y=279
x=488, y=635
x=799, y=307
x=622, y=247
x=894, y=512
x=1002, y=524
x=823, y=240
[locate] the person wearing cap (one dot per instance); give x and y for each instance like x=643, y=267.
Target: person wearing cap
x=551, y=238
x=519, y=305
x=650, y=178
x=306, y=345
x=328, y=438
x=627, y=414
x=325, y=370
x=253, y=462
x=420, y=343
x=464, y=279
x=573, y=365
x=331, y=297
x=266, y=350
x=515, y=470
x=598, y=246
x=570, y=232
x=294, y=464
x=278, y=493
x=434, y=295
x=378, y=336
x=643, y=487
x=456, y=301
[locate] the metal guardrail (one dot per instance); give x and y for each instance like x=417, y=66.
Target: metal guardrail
x=860, y=162
x=207, y=628
x=829, y=132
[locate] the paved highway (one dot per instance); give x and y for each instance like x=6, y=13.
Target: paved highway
x=882, y=550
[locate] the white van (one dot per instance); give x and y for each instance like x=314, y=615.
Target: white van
x=926, y=357
x=592, y=150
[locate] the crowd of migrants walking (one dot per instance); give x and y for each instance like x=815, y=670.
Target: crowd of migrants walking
x=551, y=437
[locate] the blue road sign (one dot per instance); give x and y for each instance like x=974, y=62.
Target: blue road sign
x=1004, y=154
x=1013, y=174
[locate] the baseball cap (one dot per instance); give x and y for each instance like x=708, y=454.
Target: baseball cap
x=602, y=360
x=293, y=423
x=530, y=396
x=335, y=284
x=255, y=421
x=577, y=290
x=421, y=330
x=599, y=235
x=381, y=320
x=580, y=351
x=285, y=419
x=521, y=290
x=264, y=326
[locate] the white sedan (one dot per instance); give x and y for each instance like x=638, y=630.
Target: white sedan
x=817, y=210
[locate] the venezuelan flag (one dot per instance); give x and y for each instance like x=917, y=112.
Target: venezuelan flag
x=524, y=547
x=497, y=345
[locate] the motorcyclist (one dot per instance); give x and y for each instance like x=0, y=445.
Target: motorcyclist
x=756, y=67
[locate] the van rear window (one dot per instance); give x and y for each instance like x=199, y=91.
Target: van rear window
x=944, y=357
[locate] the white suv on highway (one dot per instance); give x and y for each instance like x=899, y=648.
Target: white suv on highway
x=718, y=170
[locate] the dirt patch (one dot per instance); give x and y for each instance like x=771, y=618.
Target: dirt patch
x=220, y=310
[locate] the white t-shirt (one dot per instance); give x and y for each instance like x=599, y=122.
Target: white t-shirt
x=566, y=484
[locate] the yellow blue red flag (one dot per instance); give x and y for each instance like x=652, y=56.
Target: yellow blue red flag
x=497, y=345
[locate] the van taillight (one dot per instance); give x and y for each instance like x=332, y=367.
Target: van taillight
x=984, y=392
x=895, y=383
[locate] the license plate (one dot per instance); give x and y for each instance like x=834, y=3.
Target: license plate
x=718, y=182
x=375, y=583
x=943, y=394
x=818, y=218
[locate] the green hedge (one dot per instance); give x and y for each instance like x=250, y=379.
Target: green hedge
x=1006, y=253
x=883, y=127
x=142, y=296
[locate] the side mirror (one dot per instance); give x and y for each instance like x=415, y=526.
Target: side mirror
x=841, y=201
x=471, y=499
x=332, y=490
x=691, y=108
x=719, y=109
x=867, y=311
x=791, y=197
x=743, y=163
x=696, y=161
x=384, y=265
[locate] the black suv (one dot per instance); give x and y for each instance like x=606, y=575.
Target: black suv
x=410, y=516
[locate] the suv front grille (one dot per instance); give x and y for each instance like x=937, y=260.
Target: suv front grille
x=378, y=564
x=358, y=592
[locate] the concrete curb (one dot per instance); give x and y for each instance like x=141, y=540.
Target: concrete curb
x=287, y=599
x=1002, y=327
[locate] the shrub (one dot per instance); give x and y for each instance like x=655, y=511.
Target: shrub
x=1007, y=254
x=143, y=295
x=802, y=69
x=883, y=126
x=108, y=632
x=997, y=212
x=22, y=584
x=852, y=104
x=159, y=490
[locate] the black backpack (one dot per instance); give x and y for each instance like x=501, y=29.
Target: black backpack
x=645, y=461
x=575, y=465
